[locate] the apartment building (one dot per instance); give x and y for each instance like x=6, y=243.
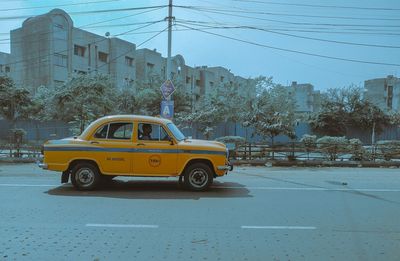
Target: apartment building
x=306, y=99
x=48, y=49
x=384, y=92
x=5, y=61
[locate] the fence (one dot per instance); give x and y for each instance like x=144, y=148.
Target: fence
x=321, y=151
x=20, y=151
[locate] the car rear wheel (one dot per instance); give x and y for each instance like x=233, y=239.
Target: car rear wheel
x=85, y=176
x=198, y=177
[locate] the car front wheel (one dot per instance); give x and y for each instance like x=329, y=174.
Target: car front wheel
x=85, y=176
x=198, y=177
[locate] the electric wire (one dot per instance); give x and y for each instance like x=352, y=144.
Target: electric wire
x=290, y=50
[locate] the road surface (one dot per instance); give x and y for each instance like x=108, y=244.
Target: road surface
x=254, y=213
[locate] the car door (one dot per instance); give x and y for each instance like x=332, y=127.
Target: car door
x=155, y=154
x=114, y=147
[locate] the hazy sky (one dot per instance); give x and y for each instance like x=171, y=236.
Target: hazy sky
x=274, y=23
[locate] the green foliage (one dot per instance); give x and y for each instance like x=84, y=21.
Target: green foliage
x=309, y=141
x=345, y=107
x=357, y=150
x=331, y=147
x=389, y=149
x=272, y=113
x=14, y=102
x=231, y=139
x=83, y=99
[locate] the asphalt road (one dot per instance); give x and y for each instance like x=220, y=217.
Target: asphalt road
x=254, y=213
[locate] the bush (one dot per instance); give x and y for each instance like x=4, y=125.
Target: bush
x=332, y=146
x=357, y=150
x=388, y=148
x=231, y=139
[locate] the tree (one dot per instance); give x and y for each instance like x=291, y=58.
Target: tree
x=272, y=113
x=14, y=102
x=84, y=99
x=344, y=108
x=148, y=97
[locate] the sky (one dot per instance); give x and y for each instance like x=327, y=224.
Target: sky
x=249, y=37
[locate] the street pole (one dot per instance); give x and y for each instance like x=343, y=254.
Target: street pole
x=169, y=39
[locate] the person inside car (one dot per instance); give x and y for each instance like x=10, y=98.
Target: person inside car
x=146, y=134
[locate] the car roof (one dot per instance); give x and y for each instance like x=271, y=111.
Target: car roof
x=97, y=123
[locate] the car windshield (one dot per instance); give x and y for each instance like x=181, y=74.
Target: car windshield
x=175, y=131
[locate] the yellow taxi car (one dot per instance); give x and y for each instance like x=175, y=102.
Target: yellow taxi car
x=131, y=145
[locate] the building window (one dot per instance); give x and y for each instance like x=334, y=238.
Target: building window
x=129, y=61
x=7, y=69
x=80, y=72
x=197, y=82
x=188, y=80
x=103, y=57
x=222, y=78
x=60, y=60
x=390, y=96
x=212, y=84
x=150, y=66
x=79, y=50
x=58, y=83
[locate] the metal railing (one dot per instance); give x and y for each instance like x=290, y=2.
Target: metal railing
x=319, y=151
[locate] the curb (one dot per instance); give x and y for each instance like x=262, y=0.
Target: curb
x=316, y=163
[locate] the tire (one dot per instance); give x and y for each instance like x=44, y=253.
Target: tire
x=198, y=177
x=85, y=176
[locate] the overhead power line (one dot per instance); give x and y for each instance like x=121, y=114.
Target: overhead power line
x=228, y=13
x=320, y=6
x=247, y=11
x=290, y=50
x=90, y=12
x=55, y=6
x=298, y=36
x=37, y=59
x=140, y=44
x=87, y=25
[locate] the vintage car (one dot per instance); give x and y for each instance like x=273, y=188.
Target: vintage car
x=131, y=145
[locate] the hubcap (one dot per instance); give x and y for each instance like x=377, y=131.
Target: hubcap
x=198, y=178
x=85, y=177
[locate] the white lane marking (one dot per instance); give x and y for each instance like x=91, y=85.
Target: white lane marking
x=278, y=227
x=27, y=185
x=311, y=189
x=122, y=225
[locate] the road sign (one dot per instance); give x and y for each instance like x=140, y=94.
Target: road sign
x=167, y=109
x=167, y=88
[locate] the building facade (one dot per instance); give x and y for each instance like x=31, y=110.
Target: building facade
x=307, y=100
x=384, y=93
x=48, y=49
x=5, y=64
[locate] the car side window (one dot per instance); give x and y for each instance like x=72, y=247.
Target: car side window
x=116, y=130
x=120, y=130
x=101, y=133
x=152, y=132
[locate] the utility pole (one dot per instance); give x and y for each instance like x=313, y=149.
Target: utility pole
x=167, y=105
x=170, y=18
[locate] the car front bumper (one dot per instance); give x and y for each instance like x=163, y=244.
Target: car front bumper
x=229, y=167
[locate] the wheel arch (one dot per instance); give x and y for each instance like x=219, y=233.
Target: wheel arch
x=206, y=161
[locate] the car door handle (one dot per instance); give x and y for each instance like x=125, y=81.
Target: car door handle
x=140, y=144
